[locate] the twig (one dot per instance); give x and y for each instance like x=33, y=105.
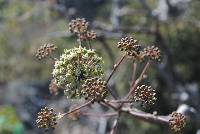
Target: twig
x=121, y=101
x=134, y=74
x=141, y=115
x=106, y=103
x=100, y=114
x=77, y=108
x=115, y=67
x=115, y=125
x=146, y=116
x=131, y=92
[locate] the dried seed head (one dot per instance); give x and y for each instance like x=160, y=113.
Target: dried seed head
x=53, y=88
x=130, y=46
x=152, y=52
x=177, y=122
x=46, y=119
x=145, y=94
x=94, y=88
x=89, y=35
x=78, y=25
x=45, y=50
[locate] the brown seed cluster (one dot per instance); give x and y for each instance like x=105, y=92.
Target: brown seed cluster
x=45, y=50
x=177, y=122
x=145, y=94
x=78, y=25
x=94, y=88
x=152, y=52
x=53, y=88
x=130, y=46
x=89, y=35
x=46, y=119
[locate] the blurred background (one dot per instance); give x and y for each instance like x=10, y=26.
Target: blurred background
x=172, y=25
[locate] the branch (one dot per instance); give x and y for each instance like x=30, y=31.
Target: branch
x=146, y=116
x=100, y=114
x=115, y=67
x=77, y=108
x=115, y=125
x=138, y=80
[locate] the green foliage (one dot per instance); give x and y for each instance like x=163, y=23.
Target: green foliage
x=9, y=122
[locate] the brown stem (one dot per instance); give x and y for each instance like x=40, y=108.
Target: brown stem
x=121, y=101
x=141, y=115
x=115, y=67
x=100, y=114
x=131, y=92
x=115, y=125
x=77, y=108
x=106, y=103
x=146, y=116
x=134, y=74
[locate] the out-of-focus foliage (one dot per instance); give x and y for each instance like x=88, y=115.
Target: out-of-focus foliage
x=9, y=122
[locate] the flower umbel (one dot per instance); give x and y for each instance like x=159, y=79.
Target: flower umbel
x=73, y=67
x=89, y=35
x=130, y=46
x=46, y=119
x=152, y=52
x=78, y=25
x=177, y=122
x=94, y=88
x=145, y=94
x=45, y=51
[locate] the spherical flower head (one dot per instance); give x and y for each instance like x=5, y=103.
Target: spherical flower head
x=130, y=46
x=79, y=25
x=152, y=52
x=45, y=51
x=89, y=35
x=177, y=122
x=46, y=119
x=145, y=94
x=95, y=89
x=73, y=67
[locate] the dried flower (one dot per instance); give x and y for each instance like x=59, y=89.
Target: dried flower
x=45, y=50
x=46, y=119
x=177, y=122
x=78, y=25
x=53, y=88
x=145, y=94
x=130, y=46
x=89, y=35
x=94, y=88
x=152, y=52
x=73, y=67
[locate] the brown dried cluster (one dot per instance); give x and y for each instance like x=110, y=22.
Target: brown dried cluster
x=145, y=94
x=130, y=46
x=46, y=119
x=94, y=88
x=45, y=50
x=79, y=25
x=89, y=35
x=177, y=122
x=53, y=88
x=152, y=52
